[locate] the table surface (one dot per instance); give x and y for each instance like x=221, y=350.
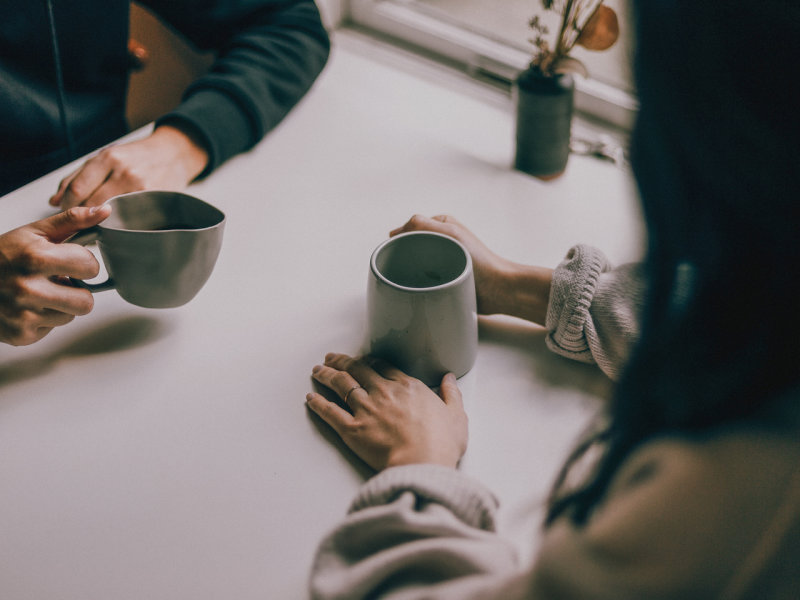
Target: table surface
x=168, y=453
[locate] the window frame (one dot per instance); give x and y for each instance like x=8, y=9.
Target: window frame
x=482, y=56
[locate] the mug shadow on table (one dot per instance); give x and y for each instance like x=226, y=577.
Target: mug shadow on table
x=528, y=341
x=111, y=336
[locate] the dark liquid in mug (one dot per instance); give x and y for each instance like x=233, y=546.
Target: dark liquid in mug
x=171, y=226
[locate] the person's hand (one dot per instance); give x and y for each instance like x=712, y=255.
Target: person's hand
x=491, y=270
x=168, y=159
x=394, y=419
x=502, y=286
x=34, y=294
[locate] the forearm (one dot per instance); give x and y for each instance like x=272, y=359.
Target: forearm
x=522, y=291
x=590, y=309
x=262, y=69
x=420, y=531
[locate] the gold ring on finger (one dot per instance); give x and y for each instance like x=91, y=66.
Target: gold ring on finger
x=350, y=391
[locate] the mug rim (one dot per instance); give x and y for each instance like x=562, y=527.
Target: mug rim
x=463, y=276
x=221, y=221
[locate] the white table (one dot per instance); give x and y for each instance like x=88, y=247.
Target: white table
x=167, y=454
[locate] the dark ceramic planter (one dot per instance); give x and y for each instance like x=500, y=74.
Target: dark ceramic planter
x=544, y=116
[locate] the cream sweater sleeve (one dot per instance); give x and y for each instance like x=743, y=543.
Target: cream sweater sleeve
x=593, y=314
x=416, y=531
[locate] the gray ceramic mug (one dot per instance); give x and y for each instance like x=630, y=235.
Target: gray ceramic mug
x=421, y=306
x=159, y=247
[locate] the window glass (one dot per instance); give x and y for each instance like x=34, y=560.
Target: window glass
x=507, y=21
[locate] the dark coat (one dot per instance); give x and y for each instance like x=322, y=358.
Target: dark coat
x=269, y=52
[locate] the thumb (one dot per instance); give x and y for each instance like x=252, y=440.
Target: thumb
x=62, y=225
x=450, y=393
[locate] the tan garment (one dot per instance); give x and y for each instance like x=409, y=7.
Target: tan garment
x=684, y=518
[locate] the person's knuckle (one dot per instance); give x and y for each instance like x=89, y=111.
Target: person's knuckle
x=112, y=156
x=77, y=188
x=128, y=172
x=383, y=387
x=411, y=384
x=340, y=378
x=416, y=221
x=356, y=429
x=29, y=260
x=24, y=291
x=28, y=320
x=349, y=363
x=72, y=215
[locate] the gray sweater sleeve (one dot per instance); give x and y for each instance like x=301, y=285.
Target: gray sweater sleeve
x=593, y=314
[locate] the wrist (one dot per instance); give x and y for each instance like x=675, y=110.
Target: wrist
x=524, y=292
x=189, y=150
x=442, y=455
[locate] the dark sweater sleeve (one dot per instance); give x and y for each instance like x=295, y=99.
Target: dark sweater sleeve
x=268, y=55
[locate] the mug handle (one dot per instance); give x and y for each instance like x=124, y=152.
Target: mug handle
x=83, y=238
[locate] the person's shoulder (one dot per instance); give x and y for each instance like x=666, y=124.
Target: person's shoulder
x=749, y=462
x=692, y=508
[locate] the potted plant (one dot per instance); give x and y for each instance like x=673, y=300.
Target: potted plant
x=544, y=92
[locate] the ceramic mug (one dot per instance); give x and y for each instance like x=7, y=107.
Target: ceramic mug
x=421, y=307
x=159, y=247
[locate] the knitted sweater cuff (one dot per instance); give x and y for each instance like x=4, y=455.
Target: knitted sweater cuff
x=573, y=287
x=466, y=498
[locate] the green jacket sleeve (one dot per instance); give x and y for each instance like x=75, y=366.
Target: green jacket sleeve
x=268, y=55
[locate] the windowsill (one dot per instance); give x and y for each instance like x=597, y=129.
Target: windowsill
x=479, y=56
x=435, y=68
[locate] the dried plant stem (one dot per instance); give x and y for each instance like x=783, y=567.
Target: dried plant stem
x=583, y=13
x=565, y=20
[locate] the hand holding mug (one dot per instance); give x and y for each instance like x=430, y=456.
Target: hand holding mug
x=35, y=295
x=393, y=419
x=502, y=286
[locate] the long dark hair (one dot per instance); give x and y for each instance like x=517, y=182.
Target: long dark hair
x=715, y=155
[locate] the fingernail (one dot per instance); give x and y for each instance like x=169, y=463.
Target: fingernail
x=308, y=397
x=316, y=369
x=329, y=356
